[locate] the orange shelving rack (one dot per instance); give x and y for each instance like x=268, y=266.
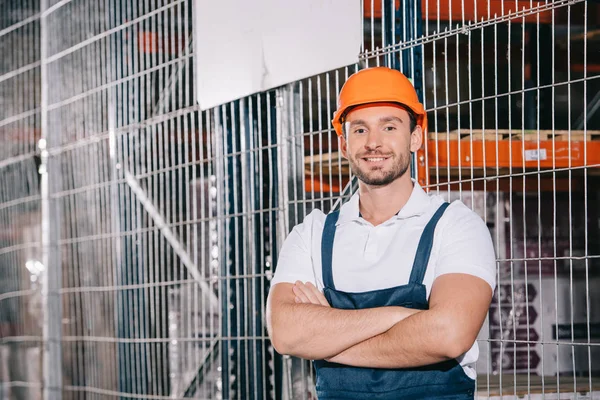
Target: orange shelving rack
x=473, y=151
x=459, y=156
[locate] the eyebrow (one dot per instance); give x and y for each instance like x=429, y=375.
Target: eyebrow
x=390, y=118
x=358, y=122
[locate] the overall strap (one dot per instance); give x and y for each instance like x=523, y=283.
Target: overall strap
x=425, y=245
x=327, y=248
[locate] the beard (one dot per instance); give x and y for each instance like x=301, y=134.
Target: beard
x=378, y=176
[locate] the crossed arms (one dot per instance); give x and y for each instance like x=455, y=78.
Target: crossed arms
x=301, y=323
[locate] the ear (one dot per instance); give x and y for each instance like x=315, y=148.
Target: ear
x=344, y=146
x=416, y=139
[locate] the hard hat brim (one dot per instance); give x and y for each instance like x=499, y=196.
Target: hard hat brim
x=339, y=116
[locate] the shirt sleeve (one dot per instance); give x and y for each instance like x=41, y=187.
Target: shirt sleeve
x=466, y=246
x=295, y=257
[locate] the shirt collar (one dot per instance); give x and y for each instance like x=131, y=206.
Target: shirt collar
x=349, y=211
x=417, y=204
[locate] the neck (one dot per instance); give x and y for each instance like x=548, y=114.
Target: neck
x=379, y=203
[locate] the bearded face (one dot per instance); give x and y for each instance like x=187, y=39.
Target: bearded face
x=378, y=143
x=379, y=168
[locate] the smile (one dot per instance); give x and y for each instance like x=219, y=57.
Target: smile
x=375, y=159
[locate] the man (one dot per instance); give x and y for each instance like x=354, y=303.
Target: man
x=389, y=293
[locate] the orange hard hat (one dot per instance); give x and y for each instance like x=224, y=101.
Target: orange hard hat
x=378, y=85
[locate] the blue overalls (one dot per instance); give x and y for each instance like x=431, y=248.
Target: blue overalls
x=445, y=380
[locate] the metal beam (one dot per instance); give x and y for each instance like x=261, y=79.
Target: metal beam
x=171, y=84
x=211, y=355
x=168, y=234
x=52, y=275
x=591, y=110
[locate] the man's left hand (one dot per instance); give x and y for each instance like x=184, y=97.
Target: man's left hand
x=307, y=293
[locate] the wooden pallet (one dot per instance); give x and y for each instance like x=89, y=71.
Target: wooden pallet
x=330, y=162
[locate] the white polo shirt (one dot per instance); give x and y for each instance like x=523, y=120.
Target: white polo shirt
x=367, y=257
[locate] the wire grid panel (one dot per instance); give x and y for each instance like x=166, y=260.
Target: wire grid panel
x=163, y=222
x=158, y=220
x=20, y=204
x=513, y=128
x=164, y=229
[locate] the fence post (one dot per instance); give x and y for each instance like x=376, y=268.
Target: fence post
x=52, y=277
x=409, y=27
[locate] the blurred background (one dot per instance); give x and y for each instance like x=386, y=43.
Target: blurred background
x=139, y=228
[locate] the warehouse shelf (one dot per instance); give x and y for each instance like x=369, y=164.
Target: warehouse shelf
x=473, y=151
x=461, y=10
x=473, y=154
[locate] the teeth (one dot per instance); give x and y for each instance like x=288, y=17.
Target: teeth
x=375, y=159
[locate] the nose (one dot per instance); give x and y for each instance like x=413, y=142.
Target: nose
x=373, y=140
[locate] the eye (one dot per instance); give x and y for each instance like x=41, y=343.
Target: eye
x=360, y=131
x=389, y=128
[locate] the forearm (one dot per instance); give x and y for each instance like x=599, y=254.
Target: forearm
x=315, y=331
x=422, y=339
x=458, y=306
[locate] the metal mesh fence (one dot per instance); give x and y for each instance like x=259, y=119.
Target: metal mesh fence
x=138, y=234
x=20, y=202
